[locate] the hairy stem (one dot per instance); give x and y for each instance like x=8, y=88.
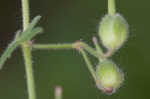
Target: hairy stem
x=90, y=50
x=25, y=13
x=111, y=7
x=98, y=48
x=29, y=71
x=85, y=46
x=89, y=65
x=52, y=46
x=27, y=53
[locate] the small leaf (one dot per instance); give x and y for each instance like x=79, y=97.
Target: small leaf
x=31, y=31
x=32, y=24
x=8, y=52
x=30, y=35
x=11, y=47
x=17, y=35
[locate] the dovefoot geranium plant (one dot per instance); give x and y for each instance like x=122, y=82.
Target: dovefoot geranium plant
x=113, y=32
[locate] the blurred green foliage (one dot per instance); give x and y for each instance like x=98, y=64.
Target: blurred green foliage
x=68, y=21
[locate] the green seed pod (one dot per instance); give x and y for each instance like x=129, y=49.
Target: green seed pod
x=109, y=77
x=113, y=31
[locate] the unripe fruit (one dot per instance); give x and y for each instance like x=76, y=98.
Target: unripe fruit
x=109, y=77
x=113, y=31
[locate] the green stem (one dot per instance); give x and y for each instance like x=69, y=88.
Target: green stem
x=89, y=65
x=67, y=46
x=111, y=7
x=52, y=46
x=27, y=52
x=89, y=49
x=25, y=13
x=98, y=48
x=92, y=51
x=29, y=71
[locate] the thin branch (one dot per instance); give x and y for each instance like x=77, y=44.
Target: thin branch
x=52, y=46
x=89, y=65
x=27, y=52
x=111, y=7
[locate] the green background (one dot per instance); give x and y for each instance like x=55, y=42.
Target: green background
x=67, y=21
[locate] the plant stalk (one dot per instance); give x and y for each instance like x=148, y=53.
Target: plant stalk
x=85, y=46
x=52, y=46
x=27, y=53
x=89, y=65
x=111, y=7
